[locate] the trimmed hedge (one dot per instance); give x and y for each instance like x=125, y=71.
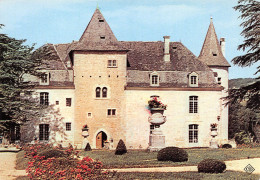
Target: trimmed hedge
x=49, y=153
x=227, y=146
x=211, y=166
x=88, y=147
x=121, y=148
x=174, y=154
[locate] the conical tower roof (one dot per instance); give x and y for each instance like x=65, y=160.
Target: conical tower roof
x=98, y=30
x=211, y=53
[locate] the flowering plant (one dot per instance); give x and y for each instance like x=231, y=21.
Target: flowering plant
x=213, y=125
x=85, y=127
x=154, y=103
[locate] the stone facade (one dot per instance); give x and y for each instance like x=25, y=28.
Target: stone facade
x=110, y=82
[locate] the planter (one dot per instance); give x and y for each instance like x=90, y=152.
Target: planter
x=157, y=118
x=157, y=110
x=85, y=133
x=84, y=129
x=214, y=133
x=214, y=129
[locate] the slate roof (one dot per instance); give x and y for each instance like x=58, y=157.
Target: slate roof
x=211, y=46
x=145, y=57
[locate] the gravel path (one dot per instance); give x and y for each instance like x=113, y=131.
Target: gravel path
x=7, y=166
x=234, y=165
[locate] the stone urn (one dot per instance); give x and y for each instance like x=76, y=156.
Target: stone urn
x=156, y=137
x=85, y=135
x=213, y=133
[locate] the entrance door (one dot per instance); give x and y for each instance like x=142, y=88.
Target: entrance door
x=100, y=139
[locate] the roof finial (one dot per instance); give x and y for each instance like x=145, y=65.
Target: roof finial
x=211, y=19
x=97, y=5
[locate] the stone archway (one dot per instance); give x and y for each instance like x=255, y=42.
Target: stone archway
x=100, y=139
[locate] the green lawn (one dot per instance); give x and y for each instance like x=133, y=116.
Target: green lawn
x=134, y=158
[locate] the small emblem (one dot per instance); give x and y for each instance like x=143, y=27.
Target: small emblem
x=249, y=168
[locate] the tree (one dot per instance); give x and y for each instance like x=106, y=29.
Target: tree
x=250, y=14
x=17, y=104
x=121, y=148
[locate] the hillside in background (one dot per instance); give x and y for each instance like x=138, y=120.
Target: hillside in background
x=237, y=83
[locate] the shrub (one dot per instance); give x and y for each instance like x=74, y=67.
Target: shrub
x=227, y=146
x=88, y=148
x=52, y=153
x=242, y=138
x=174, y=154
x=121, y=148
x=211, y=166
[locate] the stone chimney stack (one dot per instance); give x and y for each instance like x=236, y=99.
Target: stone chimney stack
x=222, y=45
x=166, y=56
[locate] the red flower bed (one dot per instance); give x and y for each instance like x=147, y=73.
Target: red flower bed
x=62, y=167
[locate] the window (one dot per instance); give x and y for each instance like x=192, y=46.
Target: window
x=44, y=98
x=101, y=20
x=57, y=102
x=193, y=79
x=102, y=37
x=193, y=104
x=154, y=79
x=44, y=132
x=111, y=112
x=68, y=126
x=219, y=80
x=104, y=92
x=68, y=102
x=89, y=115
x=44, y=79
x=98, y=92
x=111, y=63
x=193, y=133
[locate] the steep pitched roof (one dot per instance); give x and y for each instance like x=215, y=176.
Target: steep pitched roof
x=98, y=30
x=211, y=53
x=148, y=56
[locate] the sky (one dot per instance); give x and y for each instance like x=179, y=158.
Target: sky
x=187, y=21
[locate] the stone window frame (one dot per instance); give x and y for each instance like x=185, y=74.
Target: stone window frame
x=68, y=102
x=44, y=98
x=102, y=94
x=68, y=126
x=193, y=79
x=110, y=112
x=45, y=78
x=193, y=133
x=89, y=114
x=112, y=63
x=154, y=79
x=44, y=132
x=193, y=104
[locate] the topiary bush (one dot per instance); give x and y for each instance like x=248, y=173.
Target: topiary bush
x=174, y=154
x=211, y=166
x=121, y=148
x=227, y=146
x=52, y=153
x=88, y=148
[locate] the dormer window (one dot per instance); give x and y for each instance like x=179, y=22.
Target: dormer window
x=154, y=79
x=44, y=79
x=219, y=80
x=193, y=79
x=102, y=37
x=214, y=53
x=101, y=20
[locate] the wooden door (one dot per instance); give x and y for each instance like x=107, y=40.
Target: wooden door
x=99, y=141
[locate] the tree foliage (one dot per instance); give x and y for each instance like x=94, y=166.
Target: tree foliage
x=242, y=121
x=17, y=60
x=250, y=14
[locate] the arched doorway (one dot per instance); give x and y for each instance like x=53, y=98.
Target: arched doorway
x=100, y=139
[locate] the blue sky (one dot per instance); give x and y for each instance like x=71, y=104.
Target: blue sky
x=62, y=21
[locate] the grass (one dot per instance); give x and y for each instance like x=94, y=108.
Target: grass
x=134, y=158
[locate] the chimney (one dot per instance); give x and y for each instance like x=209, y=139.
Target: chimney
x=166, y=56
x=222, y=45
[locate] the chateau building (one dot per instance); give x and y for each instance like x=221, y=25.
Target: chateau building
x=105, y=84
